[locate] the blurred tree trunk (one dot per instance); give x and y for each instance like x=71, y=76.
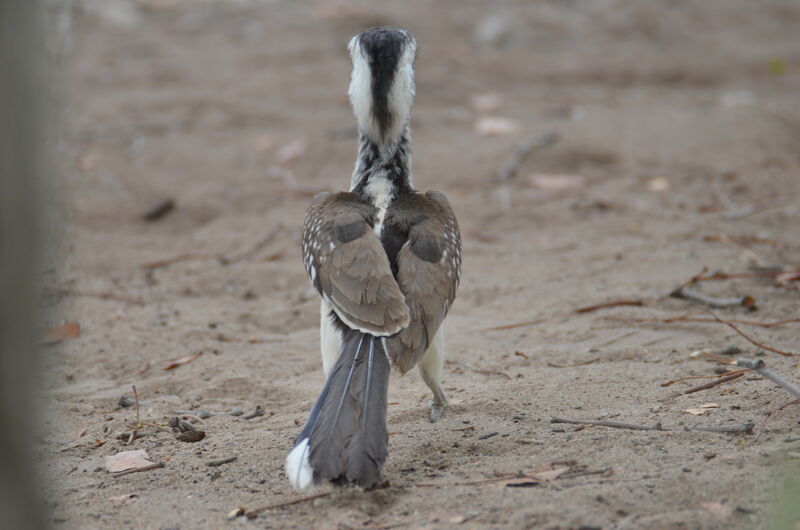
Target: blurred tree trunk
x=21, y=160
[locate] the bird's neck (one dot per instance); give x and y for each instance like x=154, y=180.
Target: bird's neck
x=383, y=170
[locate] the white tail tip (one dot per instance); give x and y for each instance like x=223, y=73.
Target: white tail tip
x=298, y=469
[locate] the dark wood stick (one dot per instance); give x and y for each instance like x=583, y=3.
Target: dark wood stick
x=717, y=376
x=605, y=305
x=758, y=367
x=713, y=301
x=606, y=423
x=749, y=339
x=706, y=386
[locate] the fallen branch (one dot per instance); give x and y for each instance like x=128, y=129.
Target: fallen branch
x=617, y=303
x=712, y=384
x=758, y=367
x=289, y=502
x=746, y=427
x=749, y=339
x=606, y=423
x=713, y=301
x=668, y=383
x=690, y=317
x=516, y=325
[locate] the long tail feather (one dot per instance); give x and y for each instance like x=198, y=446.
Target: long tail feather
x=345, y=439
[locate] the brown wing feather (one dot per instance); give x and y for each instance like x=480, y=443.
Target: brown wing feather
x=429, y=269
x=348, y=266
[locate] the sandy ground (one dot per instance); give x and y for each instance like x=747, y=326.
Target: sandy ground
x=674, y=117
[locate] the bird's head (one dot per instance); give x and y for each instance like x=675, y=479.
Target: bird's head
x=382, y=83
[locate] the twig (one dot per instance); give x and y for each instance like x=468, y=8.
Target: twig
x=605, y=423
x=758, y=367
x=713, y=301
x=736, y=275
x=178, y=259
x=746, y=427
x=712, y=384
x=522, y=151
x=290, y=502
x=92, y=294
x=217, y=463
x=135, y=427
x=668, y=383
x=617, y=303
x=742, y=333
x=787, y=404
x=690, y=317
x=255, y=247
x=516, y=325
x=148, y=467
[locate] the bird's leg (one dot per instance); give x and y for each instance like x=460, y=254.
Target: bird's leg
x=430, y=367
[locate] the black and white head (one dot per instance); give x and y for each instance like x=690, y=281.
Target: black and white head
x=382, y=83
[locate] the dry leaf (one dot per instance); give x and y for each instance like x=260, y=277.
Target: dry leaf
x=557, y=182
x=703, y=409
x=293, y=151
x=496, y=126
x=486, y=102
x=658, y=184
x=59, y=333
x=722, y=511
x=550, y=474
x=183, y=360
x=127, y=460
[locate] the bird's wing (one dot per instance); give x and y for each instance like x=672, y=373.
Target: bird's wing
x=348, y=266
x=428, y=271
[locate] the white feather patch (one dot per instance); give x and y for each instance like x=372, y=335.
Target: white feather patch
x=298, y=468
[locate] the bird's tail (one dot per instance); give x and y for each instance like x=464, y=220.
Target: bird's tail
x=345, y=439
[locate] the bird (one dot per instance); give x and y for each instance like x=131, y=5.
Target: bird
x=386, y=261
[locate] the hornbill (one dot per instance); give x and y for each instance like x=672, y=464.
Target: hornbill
x=386, y=260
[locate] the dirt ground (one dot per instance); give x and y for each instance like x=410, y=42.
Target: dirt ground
x=679, y=130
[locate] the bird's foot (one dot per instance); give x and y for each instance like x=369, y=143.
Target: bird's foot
x=437, y=409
